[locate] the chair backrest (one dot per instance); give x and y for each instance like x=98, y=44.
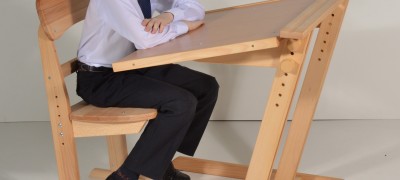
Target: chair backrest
x=56, y=16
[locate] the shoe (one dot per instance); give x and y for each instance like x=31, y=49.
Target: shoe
x=117, y=175
x=174, y=174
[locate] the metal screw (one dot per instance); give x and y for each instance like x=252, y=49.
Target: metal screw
x=61, y=134
x=59, y=124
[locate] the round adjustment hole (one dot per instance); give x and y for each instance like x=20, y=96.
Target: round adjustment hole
x=292, y=53
x=283, y=84
x=324, y=42
x=277, y=105
x=327, y=33
x=322, y=50
x=62, y=144
x=286, y=74
x=333, y=15
x=319, y=59
x=252, y=45
x=280, y=95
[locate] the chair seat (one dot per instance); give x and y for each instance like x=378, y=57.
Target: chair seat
x=89, y=113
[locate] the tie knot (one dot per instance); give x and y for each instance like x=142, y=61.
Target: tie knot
x=145, y=5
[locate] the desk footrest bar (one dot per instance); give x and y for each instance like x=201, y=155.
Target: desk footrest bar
x=101, y=174
x=229, y=170
x=210, y=167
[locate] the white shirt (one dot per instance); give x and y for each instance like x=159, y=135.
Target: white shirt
x=113, y=29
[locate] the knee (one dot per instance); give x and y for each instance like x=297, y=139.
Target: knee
x=181, y=103
x=212, y=87
x=214, y=84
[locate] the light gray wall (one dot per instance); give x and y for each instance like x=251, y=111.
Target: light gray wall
x=361, y=84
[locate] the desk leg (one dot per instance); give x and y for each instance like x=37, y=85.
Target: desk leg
x=310, y=94
x=283, y=88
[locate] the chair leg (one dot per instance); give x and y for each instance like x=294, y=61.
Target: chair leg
x=66, y=156
x=117, y=151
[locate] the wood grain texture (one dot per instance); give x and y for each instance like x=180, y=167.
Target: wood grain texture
x=117, y=151
x=59, y=110
x=229, y=170
x=155, y=60
x=309, y=19
x=99, y=174
x=275, y=115
x=91, y=129
x=310, y=93
x=230, y=36
x=56, y=16
x=232, y=31
x=261, y=58
x=69, y=67
x=89, y=113
x=209, y=167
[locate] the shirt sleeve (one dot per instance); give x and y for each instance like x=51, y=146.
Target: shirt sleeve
x=125, y=17
x=190, y=10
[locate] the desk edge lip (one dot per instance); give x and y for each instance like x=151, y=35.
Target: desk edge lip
x=273, y=42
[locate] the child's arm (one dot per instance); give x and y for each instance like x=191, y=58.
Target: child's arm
x=188, y=11
x=125, y=17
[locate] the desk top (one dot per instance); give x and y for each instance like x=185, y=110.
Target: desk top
x=227, y=31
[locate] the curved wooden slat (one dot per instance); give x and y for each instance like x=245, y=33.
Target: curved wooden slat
x=92, y=129
x=56, y=16
x=89, y=113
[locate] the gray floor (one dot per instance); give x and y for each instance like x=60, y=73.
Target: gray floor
x=350, y=149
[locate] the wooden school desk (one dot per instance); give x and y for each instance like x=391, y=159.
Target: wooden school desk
x=274, y=34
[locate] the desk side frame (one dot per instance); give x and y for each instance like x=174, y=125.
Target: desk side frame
x=287, y=54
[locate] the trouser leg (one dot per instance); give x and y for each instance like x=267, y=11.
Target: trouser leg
x=203, y=86
x=184, y=98
x=163, y=135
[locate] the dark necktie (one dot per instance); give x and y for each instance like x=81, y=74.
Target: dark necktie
x=146, y=8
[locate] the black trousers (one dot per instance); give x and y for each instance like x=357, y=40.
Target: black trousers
x=184, y=99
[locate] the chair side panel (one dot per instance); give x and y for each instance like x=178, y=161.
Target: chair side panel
x=59, y=110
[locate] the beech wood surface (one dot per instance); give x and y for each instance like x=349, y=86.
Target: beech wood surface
x=310, y=93
x=229, y=170
x=89, y=113
x=56, y=16
x=231, y=31
x=309, y=19
x=239, y=33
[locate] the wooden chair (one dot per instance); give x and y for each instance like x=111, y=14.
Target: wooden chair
x=80, y=120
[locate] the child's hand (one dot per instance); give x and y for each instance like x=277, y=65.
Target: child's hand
x=158, y=23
